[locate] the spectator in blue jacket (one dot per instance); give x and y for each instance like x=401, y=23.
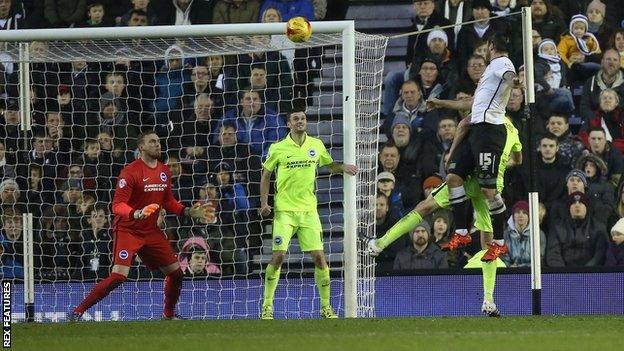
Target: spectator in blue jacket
x=11, y=247
x=256, y=124
x=169, y=81
x=290, y=8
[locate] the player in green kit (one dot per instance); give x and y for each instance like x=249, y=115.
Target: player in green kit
x=439, y=198
x=295, y=160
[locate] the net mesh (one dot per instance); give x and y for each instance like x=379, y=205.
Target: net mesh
x=90, y=100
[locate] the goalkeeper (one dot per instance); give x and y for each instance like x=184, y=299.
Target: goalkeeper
x=143, y=188
x=439, y=198
x=295, y=159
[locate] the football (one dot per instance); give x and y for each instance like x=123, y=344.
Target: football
x=298, y=29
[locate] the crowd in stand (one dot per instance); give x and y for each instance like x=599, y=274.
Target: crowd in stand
x=217, y=116
x=578, y=135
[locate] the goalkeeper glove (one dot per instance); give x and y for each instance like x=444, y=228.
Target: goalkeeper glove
x=146, y=211
x=205, y=212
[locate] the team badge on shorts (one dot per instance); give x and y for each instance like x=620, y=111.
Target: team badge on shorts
x=123, y=254
x=122, y=183
x=278, y=240
x=163, y=176
x=311, y=152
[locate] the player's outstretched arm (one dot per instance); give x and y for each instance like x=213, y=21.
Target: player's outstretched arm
x=339, y=167
x=265, y=182
x=459, y=105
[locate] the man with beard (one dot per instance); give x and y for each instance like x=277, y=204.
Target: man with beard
x=144, y=187
x=609, y=76
x=408, y=174
x=421, y=254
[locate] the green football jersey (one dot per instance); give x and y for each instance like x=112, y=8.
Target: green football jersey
x=296, y=172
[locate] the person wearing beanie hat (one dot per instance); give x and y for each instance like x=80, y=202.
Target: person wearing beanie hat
x=9, y=192
x=576, y=180
x=577, y=239
x=578, y=43
x=517, y=237
x=431, y=183
x=437, y=34
x=401, y=131
x=615, y=249
x=599, y=190
x=596, y=13
x=421, y=254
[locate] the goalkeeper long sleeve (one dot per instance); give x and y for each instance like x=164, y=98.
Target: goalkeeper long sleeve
x=405, y=225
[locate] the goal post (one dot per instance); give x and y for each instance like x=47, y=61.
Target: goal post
x=352, y=79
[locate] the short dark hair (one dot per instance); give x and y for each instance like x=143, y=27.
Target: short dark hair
x=500, y=41
x=91, y=142
x=141, y=137
x=380, y=194
x=550, y=136
x=138, y=13
x=559, y=114
x=388, y=143
x=228, y=125
x=296, y=109
x=597, y=129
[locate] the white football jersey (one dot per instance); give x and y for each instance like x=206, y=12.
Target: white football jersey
x=492, y=94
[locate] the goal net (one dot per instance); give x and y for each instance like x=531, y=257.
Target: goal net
x=217, y=97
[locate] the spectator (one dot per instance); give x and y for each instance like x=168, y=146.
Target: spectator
x=518, y=237
x=425, y=18
x=456, y=11
x=10, y=194
x=236, y=11
x=438, y=44
x=98, y=241
x=6, y=170
x=12, y=15
x=550, y=171
x=195, y=258
x=386, y=184
x=200, y=84
x=616, y=42
x=577, y=239
x=599, y=189
x=603, y=31
x=615, y=247
x=550, y=78
x=138, y=14
x=384, y=220
x=36, y=203
x=570, y=145
x=577, y=47
x=428, y=78
x=435, y=145
x=181, y=183
x=245, y=163
x=430, y=184
x=64, y=13
x=169, y=82
x=471, y=73
x=547, y=19
x=96, y=16
x=180, y=12
x=410, y=150
x=609, y=76
x=114, y=122
x=234, y=198
x=442, y=225
x=609, y=118
x=421, y=254
x=412, y=107
x=12, y=247
x=599, y=146
x=618, y=208
x=256, y=124
x=469, y=35
x=290, y=8
x=199, y=128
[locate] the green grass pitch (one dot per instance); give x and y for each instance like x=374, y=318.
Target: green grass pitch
x=474, y=333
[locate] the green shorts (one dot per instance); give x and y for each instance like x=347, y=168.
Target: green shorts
x=483, y=222
x=307, y=226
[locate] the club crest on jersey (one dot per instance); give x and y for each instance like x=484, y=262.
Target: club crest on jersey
x=122, y=183
x=278, y=240
x=163, y=176
x=311, y=152
x=123, y=254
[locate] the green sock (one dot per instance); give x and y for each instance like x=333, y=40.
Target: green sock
x=271, y=279
x=489, y=280
x=321, y=277
x=405, y=225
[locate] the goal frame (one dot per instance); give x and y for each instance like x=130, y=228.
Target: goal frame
x=347, y=30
